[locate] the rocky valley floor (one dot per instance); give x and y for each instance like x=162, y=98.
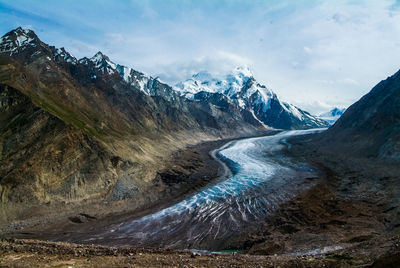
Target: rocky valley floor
x=189, y=170
x=349, y=217
x=33, y=253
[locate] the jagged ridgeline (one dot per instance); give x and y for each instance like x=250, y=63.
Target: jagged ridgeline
x=81, y=129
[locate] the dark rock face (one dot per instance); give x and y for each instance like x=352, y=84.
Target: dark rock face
x=371, y=126
x=74, y=130
x=218, y=105
x=218, y=99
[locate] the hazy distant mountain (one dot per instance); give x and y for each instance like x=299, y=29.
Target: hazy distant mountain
x=241, y=89
x=333, y=115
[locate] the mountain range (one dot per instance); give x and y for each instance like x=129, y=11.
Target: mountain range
x=91, y=142
x=73, y=130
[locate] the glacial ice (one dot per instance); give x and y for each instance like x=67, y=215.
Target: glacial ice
x=260, y=182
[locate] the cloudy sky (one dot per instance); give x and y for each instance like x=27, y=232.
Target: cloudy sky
x=315, y=54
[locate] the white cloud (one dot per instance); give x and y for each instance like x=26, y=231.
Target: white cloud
x=307, y=49
x=329, y=53
x=314, y=54
x=218, y=63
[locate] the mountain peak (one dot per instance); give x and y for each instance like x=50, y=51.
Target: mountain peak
x=243, y=70
x=337, y=111
x=241, y=89
x=333, y=115
x=20, y=32
x=229, y=85
x=17, y=38
x=24, y=31
x=202, y=75
x=334, y=112
x=65, y=55
x=99, y=56
x=104, y=63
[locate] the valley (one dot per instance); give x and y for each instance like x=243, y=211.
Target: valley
x=314, y=197
x=258, y=181
x=101, y=161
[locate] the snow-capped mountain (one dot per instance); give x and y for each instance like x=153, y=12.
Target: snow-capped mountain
x=333, y=115
x=204, y=81
x=241, y=88
x=95, y=122
x=147, y=84
x=16, y=40
x=25, y=40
